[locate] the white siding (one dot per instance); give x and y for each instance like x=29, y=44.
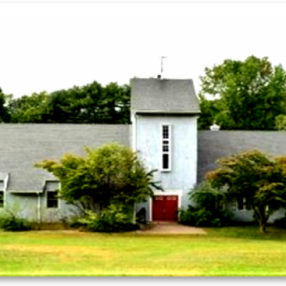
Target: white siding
x=183, y=174
x=52, y=185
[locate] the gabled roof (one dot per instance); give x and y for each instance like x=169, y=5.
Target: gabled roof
x=22, y=145
x=163, y=96
x=213, y=145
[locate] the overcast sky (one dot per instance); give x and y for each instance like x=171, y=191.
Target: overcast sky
x=51, y=46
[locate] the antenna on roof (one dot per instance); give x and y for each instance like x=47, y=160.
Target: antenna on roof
x=161, y=75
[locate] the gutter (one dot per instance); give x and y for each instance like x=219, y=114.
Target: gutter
x=166, y=112
x=6, y=182
x=39, y=208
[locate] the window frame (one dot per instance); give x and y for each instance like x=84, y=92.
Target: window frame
x=244, y=205
x=2, y=201
x=54, y=198
x=165, y=142
x=2, y=190
x=51, y=201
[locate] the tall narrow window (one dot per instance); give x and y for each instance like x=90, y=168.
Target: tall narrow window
x=166, y=148
x=1, y=199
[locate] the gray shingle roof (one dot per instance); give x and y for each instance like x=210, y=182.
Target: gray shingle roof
x=22, y=145
x=163, y=95
x=3, y=176
x=212, y=145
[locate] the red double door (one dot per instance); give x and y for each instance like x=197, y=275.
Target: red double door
x=165, y=208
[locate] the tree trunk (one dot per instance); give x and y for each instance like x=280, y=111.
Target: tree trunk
x=134, y=213
x=262, y=227
x=262, y=219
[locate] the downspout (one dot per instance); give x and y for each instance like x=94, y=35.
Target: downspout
x=39, y=208
x=134, y=137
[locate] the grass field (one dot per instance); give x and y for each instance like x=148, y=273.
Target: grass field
x=233, y=251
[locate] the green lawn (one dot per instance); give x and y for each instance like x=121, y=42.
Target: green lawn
x=222, y=252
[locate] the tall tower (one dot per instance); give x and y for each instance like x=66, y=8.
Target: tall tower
x=164, y=116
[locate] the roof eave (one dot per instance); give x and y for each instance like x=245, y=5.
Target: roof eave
x=164, y=112
x=25, y=191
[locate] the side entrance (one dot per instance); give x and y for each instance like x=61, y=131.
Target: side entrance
x=165, y=208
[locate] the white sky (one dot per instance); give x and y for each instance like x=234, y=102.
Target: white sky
x=51, y=46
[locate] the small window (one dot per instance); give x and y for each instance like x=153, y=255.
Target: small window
x=165, y=132
x=52, y=188
x=242, y=204
x=1, y=199
x=52, y=199
x=165, y=148
x=165, y=161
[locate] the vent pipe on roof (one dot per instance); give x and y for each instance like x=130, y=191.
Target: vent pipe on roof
x=214, y=127
x=159, y=76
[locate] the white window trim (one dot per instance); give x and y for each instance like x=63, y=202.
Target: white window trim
x=5, y=184
x=47, y=191
x=244, y=209
x=178, y=193
x=170, y=147
x=4, y=200
x=58, y=203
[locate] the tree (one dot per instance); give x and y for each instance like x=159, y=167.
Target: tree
x=206, y=207
x=91, y=103
x=117, y=102
x=107, y=175
x=249, y=94
x=29, y=109
x=280, y=122
x=256, y=177
x=4, y=114
x=209, y=110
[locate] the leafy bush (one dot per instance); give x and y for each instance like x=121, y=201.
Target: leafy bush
x=10, y=222
x=141, y=216
x=202, y=217
x=112, y=219
x=208, y=209
x=111, y=173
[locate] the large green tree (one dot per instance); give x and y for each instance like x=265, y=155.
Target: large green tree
x=91, y=103
x=255, y=177
x=29, y=109
x=249, y=94
x=111, y=174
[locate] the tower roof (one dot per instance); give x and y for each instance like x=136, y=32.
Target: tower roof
x=163, y=96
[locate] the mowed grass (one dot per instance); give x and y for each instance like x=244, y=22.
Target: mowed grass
x=232, y=251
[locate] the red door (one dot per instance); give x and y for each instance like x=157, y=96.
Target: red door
x=165, y=208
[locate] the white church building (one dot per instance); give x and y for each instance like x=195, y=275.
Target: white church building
x=164, y=114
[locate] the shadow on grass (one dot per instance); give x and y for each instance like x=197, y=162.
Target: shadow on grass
x=247, y=232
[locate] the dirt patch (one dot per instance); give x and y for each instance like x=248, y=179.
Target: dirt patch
x=171, y=228
x=59, y=250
